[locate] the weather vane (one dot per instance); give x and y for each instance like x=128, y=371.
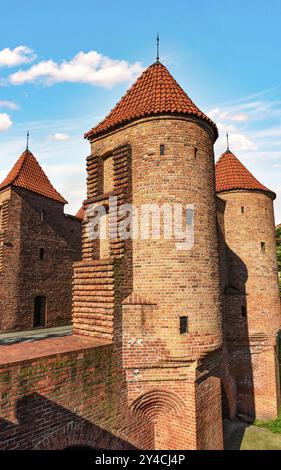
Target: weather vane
x=157, y=58
x=27, y=139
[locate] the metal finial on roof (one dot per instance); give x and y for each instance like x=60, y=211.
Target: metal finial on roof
x=27, y=139
x=157, y=58
x=227, y=141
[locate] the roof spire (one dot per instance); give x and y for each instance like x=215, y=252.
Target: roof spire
x=227, y=142
x=27, y=139
x=157, y=41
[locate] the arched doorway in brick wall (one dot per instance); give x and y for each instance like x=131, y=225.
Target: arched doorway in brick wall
x=85, y=448
x=82, y=436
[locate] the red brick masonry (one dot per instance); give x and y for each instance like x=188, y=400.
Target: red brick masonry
x=129, y=377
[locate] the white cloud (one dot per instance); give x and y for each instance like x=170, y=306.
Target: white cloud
x=85, y=67
x=65, y=170
x=218, y=113
x=270, y=132
x=241, y=142
x=59, y=137
x=5, y=122
x=8, y=104
x=18, y=56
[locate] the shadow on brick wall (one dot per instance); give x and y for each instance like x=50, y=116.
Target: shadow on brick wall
x=42, y=424
x=238, y=384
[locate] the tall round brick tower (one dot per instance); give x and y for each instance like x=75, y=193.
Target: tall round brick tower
x=251, y=292
x=166, y=319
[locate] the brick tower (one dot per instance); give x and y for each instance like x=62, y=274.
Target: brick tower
x=159, y=306
x=250, y=288
x=38, y=244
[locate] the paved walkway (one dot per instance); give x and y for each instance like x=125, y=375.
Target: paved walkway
x=46, y=347
x=34, y=335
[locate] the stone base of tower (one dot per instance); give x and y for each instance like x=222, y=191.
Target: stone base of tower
x=182, y=403
x=255, y=371
x=266, y=381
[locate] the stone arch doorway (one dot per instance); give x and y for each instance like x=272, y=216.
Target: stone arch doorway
x=82, y=436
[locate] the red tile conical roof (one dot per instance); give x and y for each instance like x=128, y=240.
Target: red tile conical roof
x=28, y=174
x=231, y=174
x=155, y=92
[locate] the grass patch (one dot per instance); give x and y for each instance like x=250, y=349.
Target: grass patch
x=273, y=425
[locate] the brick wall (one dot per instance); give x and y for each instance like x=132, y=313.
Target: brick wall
x=26, y=276
x=10, y=248
x=76, y=397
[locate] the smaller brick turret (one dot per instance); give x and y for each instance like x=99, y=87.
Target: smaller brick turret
x=38, y=244
x=251, y=293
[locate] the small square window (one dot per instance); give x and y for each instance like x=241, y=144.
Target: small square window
x=162, y=149
x=183, y=325
x=263, y=247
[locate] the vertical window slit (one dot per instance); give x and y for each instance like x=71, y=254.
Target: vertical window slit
x=183, y=325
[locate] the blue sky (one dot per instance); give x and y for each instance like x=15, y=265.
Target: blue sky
x=65, y=64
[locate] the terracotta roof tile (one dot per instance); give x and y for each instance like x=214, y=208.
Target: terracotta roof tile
x=155, y=92
x=231, y=174
x=80, y=214
x=28, y=174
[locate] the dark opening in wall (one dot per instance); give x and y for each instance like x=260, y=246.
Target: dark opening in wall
x=242, y=209
x=42, y=215
x=183, y=325
x=262, y=247
x=162, y=149
x=244, y=311
x=39, y=316
x=195, y=152
x=41, y=253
